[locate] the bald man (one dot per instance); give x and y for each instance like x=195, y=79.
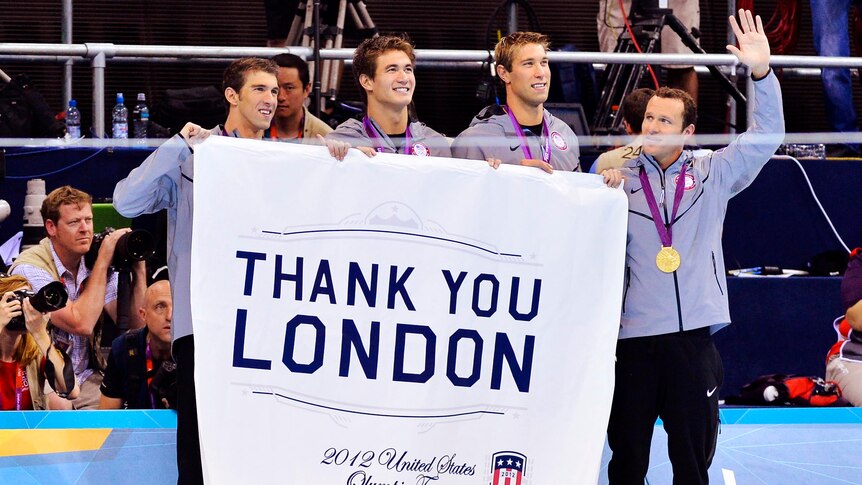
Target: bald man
x=140, y=373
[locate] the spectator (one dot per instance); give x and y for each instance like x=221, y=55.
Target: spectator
x=24, y=345
x=611, y=24
x=292, y=120
x=633, y=117
x=68, y=216
x=845, y=363
x=140, y=373
x=829, y=19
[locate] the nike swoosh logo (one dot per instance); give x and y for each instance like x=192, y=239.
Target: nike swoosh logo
x=632, y=191
x=710, y=392
x=514, y=147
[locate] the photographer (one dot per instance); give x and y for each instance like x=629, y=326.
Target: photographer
x=141, y=373
x=68, y=216
x=23, y=366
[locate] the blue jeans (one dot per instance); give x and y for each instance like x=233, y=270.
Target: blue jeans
x=829, y=19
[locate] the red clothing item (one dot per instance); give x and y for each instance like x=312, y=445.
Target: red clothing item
x=13, y=382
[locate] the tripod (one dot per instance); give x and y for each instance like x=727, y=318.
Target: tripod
x=305, y=29
x=622, y=79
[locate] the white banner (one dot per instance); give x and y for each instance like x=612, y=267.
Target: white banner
x=401, y=320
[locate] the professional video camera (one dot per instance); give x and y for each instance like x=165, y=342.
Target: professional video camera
x=134, y=246
x=50, y=298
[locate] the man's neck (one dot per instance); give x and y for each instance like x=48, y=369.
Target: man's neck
x=390, y=120
x=289, y=126
x=71, y=261
x=8, y=343
x=161, y=350
x=526, y=114
x=244, y=129
x=664, y=164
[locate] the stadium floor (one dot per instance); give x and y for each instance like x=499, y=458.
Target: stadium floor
x=756, y=446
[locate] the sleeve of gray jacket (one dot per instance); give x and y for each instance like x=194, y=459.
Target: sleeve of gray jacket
x=468, y=144
x=350, y=132
x=738, y=164
x=153, y=185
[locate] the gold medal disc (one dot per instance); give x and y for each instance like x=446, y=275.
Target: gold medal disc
x=667, y=259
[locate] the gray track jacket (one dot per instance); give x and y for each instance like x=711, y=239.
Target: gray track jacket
x=354, y=133
x=695, y=295
x=491, y=134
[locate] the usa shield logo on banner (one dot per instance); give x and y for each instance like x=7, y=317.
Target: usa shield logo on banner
x=508, y=468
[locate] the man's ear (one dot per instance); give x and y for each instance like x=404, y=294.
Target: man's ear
x=231, y=96
x=50, y=228
x=689, y=130
x=366, y=82
x=503, y=74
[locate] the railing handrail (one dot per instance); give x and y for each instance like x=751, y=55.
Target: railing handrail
x=90, y=50
x=99, y=54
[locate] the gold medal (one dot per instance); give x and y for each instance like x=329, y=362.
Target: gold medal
x=667, y=259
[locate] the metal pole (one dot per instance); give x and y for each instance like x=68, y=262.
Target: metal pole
x=317, y=58
x=66, y=38
x=749, y=95
x=99, y=95
x=734, y=77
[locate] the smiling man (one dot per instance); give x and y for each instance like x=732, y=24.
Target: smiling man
x=521, y=132
x=292, y=120
x=383, y=67
x=165, y=180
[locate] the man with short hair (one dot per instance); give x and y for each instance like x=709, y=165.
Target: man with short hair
x=521, y=132
x=675, y=293
x=383, y=67
x=633, y=117
x=165, y=180
x=68, y=217
x=292, y=120
x=140, y=372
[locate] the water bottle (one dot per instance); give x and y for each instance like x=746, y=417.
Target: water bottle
x=140, y=117
x=73, y=120
x=120, y=117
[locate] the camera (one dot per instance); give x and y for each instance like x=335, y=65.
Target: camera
x=50, y=298
x=134, y=246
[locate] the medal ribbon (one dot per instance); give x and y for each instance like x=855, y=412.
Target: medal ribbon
x=371, y=131
x=665, y=231
x=545, y=137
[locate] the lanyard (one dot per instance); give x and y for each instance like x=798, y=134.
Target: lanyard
x=149, y=375
x=371, y=131
x=665, y=231
x=21, y=386
x=544, y=141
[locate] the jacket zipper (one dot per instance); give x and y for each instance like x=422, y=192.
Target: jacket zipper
x=715, y=273
x=628, y=284
x=666, y=225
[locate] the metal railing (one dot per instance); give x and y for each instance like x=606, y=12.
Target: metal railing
x=98, y=55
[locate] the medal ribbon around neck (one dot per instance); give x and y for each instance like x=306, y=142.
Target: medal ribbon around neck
x=371, y=131
x=545, y=138
x=665, y=231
